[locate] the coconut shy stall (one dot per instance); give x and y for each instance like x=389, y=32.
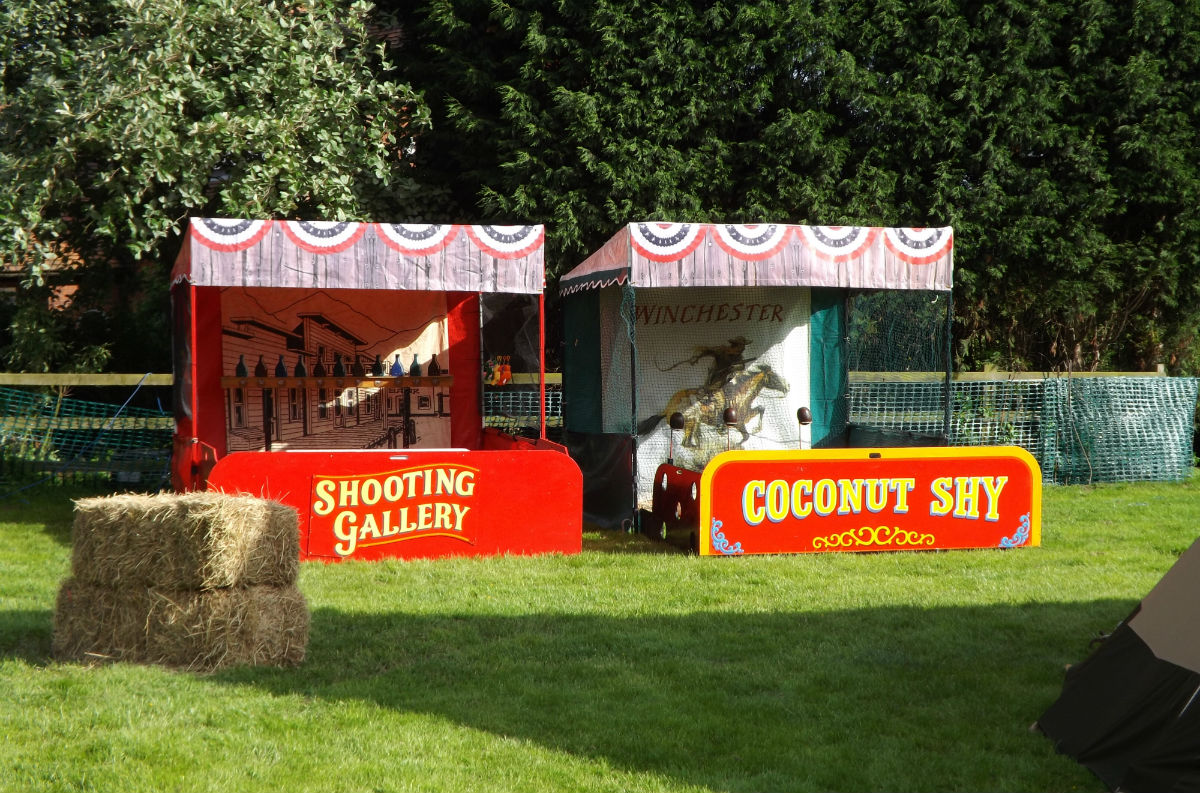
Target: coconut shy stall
x=337, y=367
x=695, y=349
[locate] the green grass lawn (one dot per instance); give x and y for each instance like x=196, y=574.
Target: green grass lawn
x=614, y=670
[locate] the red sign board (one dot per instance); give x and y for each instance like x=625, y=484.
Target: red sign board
x=755, y=502
x=417, y=503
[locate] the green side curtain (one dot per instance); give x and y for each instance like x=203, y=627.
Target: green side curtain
x=828, y=375
x=582, y=391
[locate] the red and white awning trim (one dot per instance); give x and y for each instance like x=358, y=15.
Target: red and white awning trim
x=918, y=245
x=507, y=242
x=752, y=242
x=837, y=243
x=229, y=235
x=666, y=242
x=335, y=254
x=415, y=239
x=321, y=236
x=699, y=254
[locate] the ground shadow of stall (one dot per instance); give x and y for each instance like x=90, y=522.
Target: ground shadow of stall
x=700, y=698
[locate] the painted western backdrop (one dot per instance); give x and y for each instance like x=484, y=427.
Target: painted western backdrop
x=702, y=350
x=327, y=336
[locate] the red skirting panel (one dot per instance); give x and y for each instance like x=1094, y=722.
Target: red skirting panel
x=417, y=504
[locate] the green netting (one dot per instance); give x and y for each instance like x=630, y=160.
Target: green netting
x=62, y=438
x=1118, y=429
x=1081, y=429
x=891, y=336
x=897, y=331
x=896, y=413
x=999, y=413
x=514, y=409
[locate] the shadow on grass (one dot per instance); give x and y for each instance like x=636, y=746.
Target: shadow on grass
x=891, y=698
x=52, y=505
x=894, y=698
x=631, y=543
x=25, y=635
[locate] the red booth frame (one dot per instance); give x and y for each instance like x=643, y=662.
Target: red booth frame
x=530, y=503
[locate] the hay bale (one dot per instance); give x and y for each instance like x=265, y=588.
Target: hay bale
x=184, y=541
x=187, y=629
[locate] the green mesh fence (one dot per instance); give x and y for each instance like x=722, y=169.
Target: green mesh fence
x=897, y=413
x=999, y=413
x=46, y=437
x=1081, y=430
x=514, y=409
x=1119, y=429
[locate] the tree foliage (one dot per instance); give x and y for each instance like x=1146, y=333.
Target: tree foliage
x=121, y=118
x=1059, y=139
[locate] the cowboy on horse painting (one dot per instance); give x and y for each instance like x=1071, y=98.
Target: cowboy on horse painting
x=726, y=359
x=707, y=405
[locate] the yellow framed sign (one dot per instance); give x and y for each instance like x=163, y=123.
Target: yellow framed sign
x=895, y=499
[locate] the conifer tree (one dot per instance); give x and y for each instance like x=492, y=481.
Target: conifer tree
x=1059, y=139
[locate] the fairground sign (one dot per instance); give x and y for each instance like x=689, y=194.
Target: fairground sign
x=364, y=511
x=417, y=503
x=755, y=502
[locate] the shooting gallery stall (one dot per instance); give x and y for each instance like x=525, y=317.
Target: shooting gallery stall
x=337, y=367
x=685, y=341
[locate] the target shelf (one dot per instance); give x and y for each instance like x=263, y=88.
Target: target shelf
x=444, y=380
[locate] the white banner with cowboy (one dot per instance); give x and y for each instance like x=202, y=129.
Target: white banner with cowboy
x=711, y=353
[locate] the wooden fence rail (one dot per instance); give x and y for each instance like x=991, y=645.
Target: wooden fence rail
x=555, y=378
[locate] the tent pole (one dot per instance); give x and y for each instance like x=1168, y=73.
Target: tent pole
x=542, y=364
x=631, y=332
x=949, y=365
x=194, y=397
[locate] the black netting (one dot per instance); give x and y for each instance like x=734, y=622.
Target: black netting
x=897, y=331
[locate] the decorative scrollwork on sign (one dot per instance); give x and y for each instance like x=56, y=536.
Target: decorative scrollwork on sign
x=721, y=544
x=878, y=537
x=1020, y=537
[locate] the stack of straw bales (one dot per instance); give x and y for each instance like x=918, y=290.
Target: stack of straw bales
x=199, y=581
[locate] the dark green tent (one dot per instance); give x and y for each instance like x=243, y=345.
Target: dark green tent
x=1131, y=711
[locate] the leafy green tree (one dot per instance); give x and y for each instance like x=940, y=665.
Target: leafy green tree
x=1059, y=139
x=119, y=119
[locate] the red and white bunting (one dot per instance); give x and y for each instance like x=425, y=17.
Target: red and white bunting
x=751, y=242
x=416, y=239
x=837, y=243
x=229, y=235
x=323, y=236
x=666, y=242
x=918, y=245
x=507, y=242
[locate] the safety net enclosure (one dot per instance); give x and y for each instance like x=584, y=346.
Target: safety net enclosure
x=303, y=335
x=743, y=330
